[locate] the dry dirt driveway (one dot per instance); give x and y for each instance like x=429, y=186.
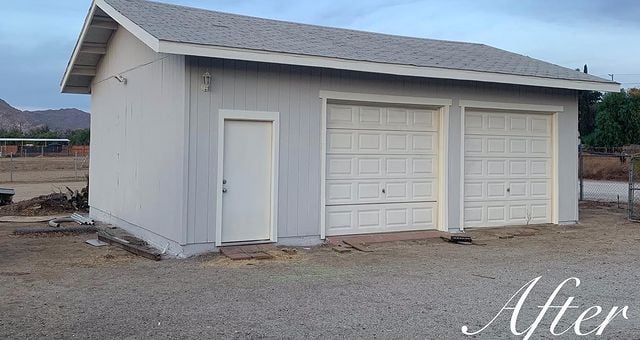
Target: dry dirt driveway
x=59, y=287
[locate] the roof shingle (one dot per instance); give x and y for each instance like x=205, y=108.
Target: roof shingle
x=197, y=26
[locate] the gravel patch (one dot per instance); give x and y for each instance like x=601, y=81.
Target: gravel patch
x=59, y=287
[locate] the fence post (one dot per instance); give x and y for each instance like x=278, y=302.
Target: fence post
x=75, y=165
x=580, y=171
x=11, y=168
x=630, y=207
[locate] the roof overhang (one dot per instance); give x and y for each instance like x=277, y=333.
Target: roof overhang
x=180, y=48
x=90, y=47
x=373, y=67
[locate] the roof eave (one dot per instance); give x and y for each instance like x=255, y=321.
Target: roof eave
x=171, y=47
x=181, y=48
x=121, y=20
x=76, y=50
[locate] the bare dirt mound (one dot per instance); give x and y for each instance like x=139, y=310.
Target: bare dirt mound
x=51, y=204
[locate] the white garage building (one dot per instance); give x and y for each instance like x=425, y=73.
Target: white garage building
x=211, y=129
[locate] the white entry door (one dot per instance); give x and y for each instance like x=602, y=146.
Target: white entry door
x=247, y=180
x=507, y=168
x=381, y=169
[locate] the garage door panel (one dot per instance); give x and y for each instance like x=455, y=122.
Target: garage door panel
x=490, y=190
x=540, y=125
x=500, y=146
x=380, y=142
x=507, y=124
x=374, y=166
x=378, y=218
x=349, y=192
x=381, y=118
x=507, y=168
x=500, y=213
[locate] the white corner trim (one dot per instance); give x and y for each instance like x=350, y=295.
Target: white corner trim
x=376, y=67
x=323, y=167
x=382, y=98
x=129, y=25
x=443, y=170
x=462, y=156
x=263, y=116
x=510, y=106
x=555, y=171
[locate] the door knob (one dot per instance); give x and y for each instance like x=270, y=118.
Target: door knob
x=224, y=181
x=224, y=190
x=384, y=191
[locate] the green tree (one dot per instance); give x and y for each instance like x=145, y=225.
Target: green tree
x=617, y=120
x=42, y=132
x=79, y=137
x=587, y=103
x=14, y=133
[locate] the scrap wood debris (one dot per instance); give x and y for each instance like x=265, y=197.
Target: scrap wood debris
x=341, y=248
x=358, y=246
x=55, y=203
x=49, y=230
x=461, y=240
x=345, y=246
x=38, y=206
x=119, y=238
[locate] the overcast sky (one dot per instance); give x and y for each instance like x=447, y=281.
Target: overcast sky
x=37, y=36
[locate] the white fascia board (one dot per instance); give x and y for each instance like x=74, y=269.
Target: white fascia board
x=172, y=47
x=76, y=48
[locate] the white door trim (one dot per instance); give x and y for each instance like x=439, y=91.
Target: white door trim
x=444, y=106
x=476, y=104
x=462, y=115
x=443, y=170
x=384, y=98
x=261, y=116
x=552, y=110
x=323, y=167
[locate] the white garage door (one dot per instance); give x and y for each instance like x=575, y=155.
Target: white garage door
x=508, y=160
x=380, y=169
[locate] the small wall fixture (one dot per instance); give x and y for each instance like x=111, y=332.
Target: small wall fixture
x=206, y=82
x=121, y=79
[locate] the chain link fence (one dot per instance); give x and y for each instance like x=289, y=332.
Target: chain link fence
x=34, y=176
x=604, y=175
x=634, y=189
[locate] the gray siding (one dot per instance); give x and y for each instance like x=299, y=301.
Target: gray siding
x=138, y=138
x=294, y=93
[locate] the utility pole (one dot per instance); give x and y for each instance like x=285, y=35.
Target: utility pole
x=611, y=74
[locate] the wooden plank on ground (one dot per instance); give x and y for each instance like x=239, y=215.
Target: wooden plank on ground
x=358, y=246
x=146, y=252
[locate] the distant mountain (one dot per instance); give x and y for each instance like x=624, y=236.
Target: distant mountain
x=57, y=120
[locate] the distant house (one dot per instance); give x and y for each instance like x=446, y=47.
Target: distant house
x=210, y=129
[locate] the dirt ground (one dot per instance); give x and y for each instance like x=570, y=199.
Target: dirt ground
x=43, y=169
x=25, y=191
x=60, y=287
